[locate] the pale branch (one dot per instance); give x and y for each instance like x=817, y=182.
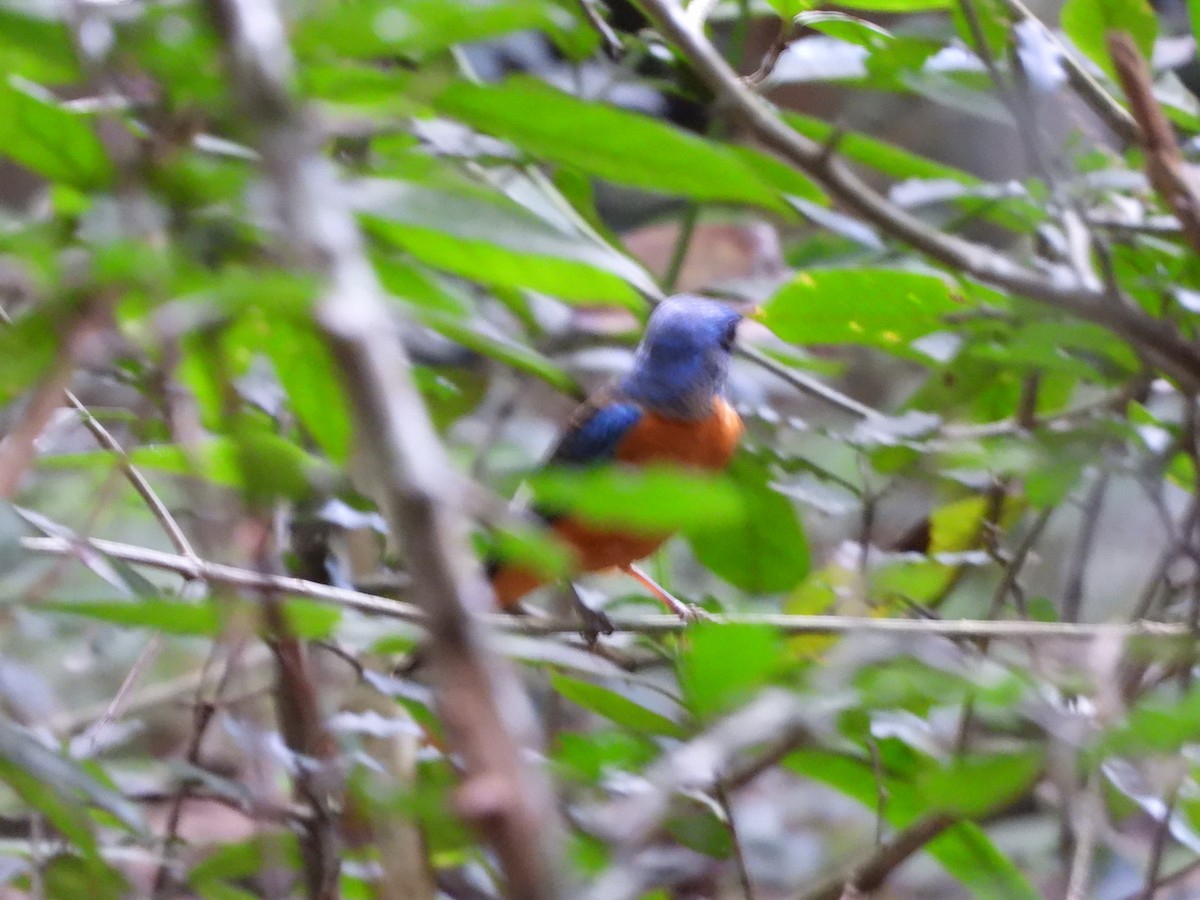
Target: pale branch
x=1165, y=165
x=488, y=718
x=1091, y=91
x=135, y=477
x=1156, y=340
x=806, y=384
x=384, y=607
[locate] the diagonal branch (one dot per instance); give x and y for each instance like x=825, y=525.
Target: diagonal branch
x=1154, y=339
x=487, y=717
x=1164, y=161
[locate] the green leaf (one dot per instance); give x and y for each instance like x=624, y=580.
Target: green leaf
x=420, y=28
x=974, y=785
x=649, y=500
x=1155, y=725
x=620, y=146
x=720, y=665
x=36, y=48
x=263, y=461
x=37, y=132
x=1087, y=23
x=876, y=307
x=963, y=850
x=69, y=876
x=879, y=155
x=499, y=243
x=615, y=707
x=766, y=552
x=313, y=384
x=305, y=619
x=62, y=777
x=896, y=6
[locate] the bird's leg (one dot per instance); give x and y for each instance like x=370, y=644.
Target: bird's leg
x=685, y=611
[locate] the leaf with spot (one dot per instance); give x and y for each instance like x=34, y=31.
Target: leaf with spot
x=876, y=307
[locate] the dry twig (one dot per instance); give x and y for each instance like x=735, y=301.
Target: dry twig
x=1164, y=161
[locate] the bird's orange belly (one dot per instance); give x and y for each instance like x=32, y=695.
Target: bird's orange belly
x=707, y=444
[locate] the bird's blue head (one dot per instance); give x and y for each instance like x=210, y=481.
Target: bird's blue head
x=683, y=359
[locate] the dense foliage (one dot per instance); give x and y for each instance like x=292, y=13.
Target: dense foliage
x=970, y=394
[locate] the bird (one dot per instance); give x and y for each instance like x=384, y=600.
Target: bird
x=670, y=408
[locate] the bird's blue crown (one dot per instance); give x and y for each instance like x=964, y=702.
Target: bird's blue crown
x=683, y=359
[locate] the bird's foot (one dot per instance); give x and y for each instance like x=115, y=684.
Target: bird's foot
x=592, y=622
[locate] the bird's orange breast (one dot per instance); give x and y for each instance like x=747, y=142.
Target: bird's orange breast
x=707, y=443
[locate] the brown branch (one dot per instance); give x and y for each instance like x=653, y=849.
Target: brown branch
x=1156, y=340
x=1164, y=161
x=870, y=874
x=486, y=715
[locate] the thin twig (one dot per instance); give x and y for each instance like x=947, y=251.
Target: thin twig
x=739, y=856
x=1090, y=522
x=105, y=439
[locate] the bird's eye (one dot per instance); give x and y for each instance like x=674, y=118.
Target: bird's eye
x=728, y=337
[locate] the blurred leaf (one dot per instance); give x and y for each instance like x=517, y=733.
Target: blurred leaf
x=974, y=785
x=721, y=665
x=37, y=132
x=879, y=155
x=897, y=6
x=963, y=850
x=498, y=243
x=36, y=48
x=1087, y=22
x=314, y=386
x=306, y=619
x=610, y=143
x=703, y=832
x=615, y=707
x=650, y=500
x=28, y=347
x=418, y=28
x=270, y=463
x=49, y=781
x=876, y=307
x=589, y=757
x=69, y=876
x=766, y=552
x=1155, y=725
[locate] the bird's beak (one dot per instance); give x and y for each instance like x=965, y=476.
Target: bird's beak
x=754, y=312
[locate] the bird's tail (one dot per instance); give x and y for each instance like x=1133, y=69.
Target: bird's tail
x=510, y=583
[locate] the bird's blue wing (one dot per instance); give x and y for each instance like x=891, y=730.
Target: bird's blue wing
x=595, y=431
